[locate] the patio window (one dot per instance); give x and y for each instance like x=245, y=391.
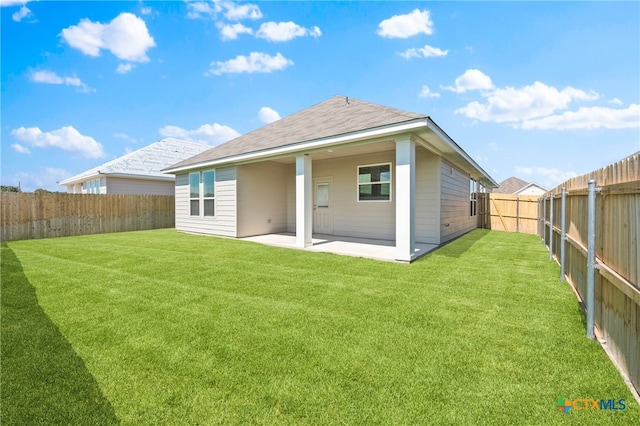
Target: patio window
x=202, y=192
x=374, y=182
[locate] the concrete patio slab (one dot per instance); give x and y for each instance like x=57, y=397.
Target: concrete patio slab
x=348, y=246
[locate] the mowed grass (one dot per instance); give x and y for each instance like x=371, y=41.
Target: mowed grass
x=160, y=327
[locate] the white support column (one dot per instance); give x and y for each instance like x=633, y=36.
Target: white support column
x=304, y=201
x=405, y=199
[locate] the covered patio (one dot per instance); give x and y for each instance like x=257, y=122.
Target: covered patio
x=347, y=246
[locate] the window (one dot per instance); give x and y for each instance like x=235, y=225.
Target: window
x=374, y=182
x=202, y=191
x=194, y=194
x=92, y=186
x=208, y=182
x=473, y=197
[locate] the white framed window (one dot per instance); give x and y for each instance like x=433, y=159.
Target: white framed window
x=202, y=187
x=374, y=182
x=92, y=186
x=209, y=193
x=473, y=197
x=194, y=194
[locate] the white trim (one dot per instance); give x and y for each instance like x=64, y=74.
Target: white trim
x=358, y=183
x=73, y=181
x=309, y=145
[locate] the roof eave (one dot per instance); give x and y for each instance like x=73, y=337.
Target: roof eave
x=375, y=132
x=489, y=182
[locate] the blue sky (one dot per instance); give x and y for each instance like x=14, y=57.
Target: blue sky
x=542, y=91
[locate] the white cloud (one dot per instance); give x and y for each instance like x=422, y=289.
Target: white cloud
x=230, y=10
x=24, y=12
x=213, y=134
x=66, y=138
x=126, y=37
x=125, y=137
x=472, y=79
x=124, y=68
x=588, y=118
x=512, y=105
x=197, y=9
x=236, y=12
x=21, y=149
x=50, y=77
x=427, y=93
x=423, y=52
x=4, y=3
x=404, y=26
x=147, y=10
x=42, y=178
x=255, y=62
x=547, y=177
x=285, y=31
x=268, y=115
x=615, y=101
x=231, y=31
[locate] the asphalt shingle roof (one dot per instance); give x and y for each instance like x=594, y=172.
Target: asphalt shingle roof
x=510, y=185
x=147, y=161
x=336, y=116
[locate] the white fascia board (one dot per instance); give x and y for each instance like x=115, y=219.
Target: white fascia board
x=442, y=135
x=96, y=175
x=79, y=179
x=140, y=177
x=310, y=145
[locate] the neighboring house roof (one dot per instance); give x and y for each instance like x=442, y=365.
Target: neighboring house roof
x=335, y=121
x=144, y=163
x=513, y=185
x=510, y=185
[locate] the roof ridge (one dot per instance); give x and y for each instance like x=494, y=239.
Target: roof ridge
x=392, y=110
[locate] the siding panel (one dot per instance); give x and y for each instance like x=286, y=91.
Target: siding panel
x=224, y=223
x=455, y=219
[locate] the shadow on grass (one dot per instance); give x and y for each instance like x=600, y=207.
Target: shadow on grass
x=462, y=244
x=43, y=380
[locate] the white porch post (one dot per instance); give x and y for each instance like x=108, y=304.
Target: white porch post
x=304, y=201
x=405, y=198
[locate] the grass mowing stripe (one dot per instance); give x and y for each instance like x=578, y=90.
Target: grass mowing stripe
x=194, y=329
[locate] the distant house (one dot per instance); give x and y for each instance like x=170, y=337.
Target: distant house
x=516, y=186
x=343, y=167
x=138, y=172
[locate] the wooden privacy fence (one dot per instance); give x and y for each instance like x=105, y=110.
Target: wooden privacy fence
x=31, y=216
x=507, y=212
x=611, y=267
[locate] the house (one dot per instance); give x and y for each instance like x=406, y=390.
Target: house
x=138, y=172
x=343, y=167
x=513, y=185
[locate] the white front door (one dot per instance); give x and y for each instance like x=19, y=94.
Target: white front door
x=322, y=216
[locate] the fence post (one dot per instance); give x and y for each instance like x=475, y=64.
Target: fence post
x=551, y=227
x=544, y=220
x=563, y=236
x=591, y=256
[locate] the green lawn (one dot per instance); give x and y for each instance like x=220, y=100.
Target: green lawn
x=159, y=327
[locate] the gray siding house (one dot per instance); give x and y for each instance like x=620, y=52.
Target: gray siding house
x=138, y=172
x=343, y=167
